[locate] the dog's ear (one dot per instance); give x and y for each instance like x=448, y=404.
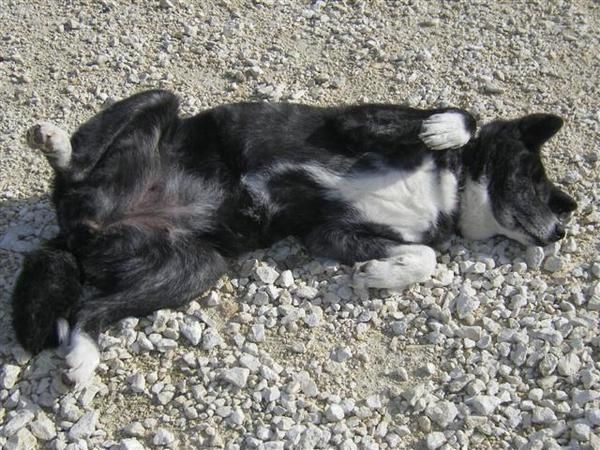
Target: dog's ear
x=538, y=128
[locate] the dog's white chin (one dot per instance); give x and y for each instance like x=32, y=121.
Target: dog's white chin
x=477, y=220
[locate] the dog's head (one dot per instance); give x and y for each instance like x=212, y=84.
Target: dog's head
x=507, y=191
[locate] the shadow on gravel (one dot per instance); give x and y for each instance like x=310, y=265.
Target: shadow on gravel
x=24, y=225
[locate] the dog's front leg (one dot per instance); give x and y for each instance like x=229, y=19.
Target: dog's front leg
x=379, y=261
x=408, y=264
x=385, y=128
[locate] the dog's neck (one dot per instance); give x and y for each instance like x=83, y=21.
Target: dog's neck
x=475, y=219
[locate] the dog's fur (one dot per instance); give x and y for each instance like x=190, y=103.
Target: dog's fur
x=149, y=204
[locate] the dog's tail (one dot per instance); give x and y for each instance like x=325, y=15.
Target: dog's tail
x=46, y=291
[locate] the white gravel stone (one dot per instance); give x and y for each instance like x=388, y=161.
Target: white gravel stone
x=593, y=303
x=307, y=384
x=286, y=279
x=130, y=444
x=43, y=428
x=237, y=417
x=465, y=305
x=257, y=333
x=569, y=365
x=84, y=426
x=144, y=343
x=192, y=332
x=314, y=318
x=137, y=382
x=442, y=413
x=592, y=415
x=166, y=395
x=414, y=394
x=307, y=292
x=135, y=429
x=534, y=257
x=581, y=432
x=165, y=344
x=18, y=421
x=213, y=299
x=543, y=415
x=9, y=376
x=374, y=401
x=536, y=394
x=211, y=339
x=553, y=264
x=163, y=437
x=238, y=376
x=399, y=327
x=341, y=354
x=271, y=394
x=266, y=274
x=582, y=396
x=250, y=362
x=348, y=444
x=22, y=440
x=484, y=405
x=435, y=440
x=334, y=413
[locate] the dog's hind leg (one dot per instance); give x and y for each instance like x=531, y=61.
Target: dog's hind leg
x=143, y=116
x=54, y=143
x=138, y=280
x=379, y=260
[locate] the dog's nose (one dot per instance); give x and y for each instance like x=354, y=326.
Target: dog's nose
x=558, y=234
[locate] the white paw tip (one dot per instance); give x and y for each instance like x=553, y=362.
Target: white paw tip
x=53, y=141
x=82, y=359
x=445, y=131
x=42, y=134
x=62, y=328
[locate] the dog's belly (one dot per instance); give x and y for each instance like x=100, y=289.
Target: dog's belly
x=410, y=202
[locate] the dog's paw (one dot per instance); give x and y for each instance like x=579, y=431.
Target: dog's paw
x=445, y=131
x=380, y=273
x=53, y=141
x=410, y=264
x=82, y=359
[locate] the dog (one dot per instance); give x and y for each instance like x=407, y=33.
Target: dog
x=150, y=205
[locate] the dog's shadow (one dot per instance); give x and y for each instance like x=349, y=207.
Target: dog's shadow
x=24, y=225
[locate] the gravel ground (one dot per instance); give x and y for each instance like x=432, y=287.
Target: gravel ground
x=499, y=350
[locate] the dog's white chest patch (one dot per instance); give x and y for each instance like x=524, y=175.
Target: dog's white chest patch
x=477, y=220
x=407, y=201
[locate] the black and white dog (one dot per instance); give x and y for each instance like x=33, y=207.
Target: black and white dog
x=150, y=204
